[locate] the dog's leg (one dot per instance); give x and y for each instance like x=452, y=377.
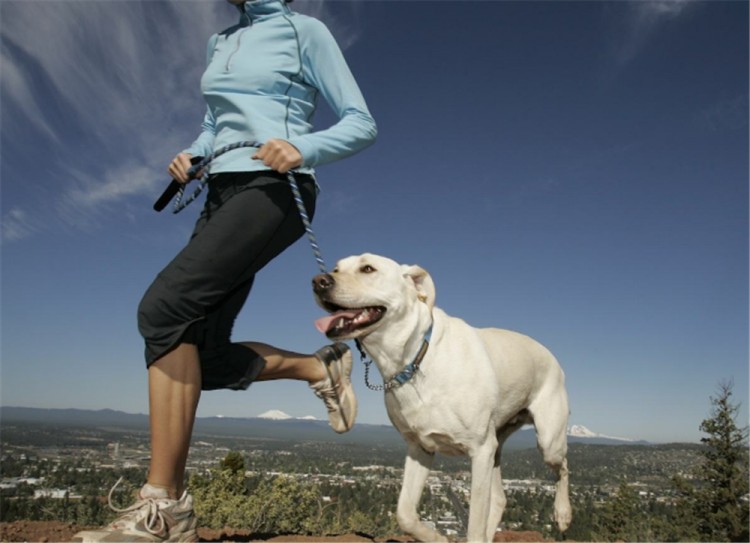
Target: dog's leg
x=482, y=463
x=416, y=470
x=563, y=511
x=551, y=421
x=497, y=498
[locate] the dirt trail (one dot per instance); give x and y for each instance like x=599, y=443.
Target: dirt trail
x=48, y=532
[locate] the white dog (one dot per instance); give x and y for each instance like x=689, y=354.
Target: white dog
x=450, y=388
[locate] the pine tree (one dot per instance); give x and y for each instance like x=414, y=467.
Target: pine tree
x=622, y=518
x=724, y=498
x=718, y=503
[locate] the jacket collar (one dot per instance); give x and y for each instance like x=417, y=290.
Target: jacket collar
x=253, y=11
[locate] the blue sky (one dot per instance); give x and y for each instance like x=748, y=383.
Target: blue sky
x=576, y=171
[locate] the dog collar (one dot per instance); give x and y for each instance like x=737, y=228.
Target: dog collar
x=406, y=374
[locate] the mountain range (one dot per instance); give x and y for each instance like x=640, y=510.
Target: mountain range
x=270, y=425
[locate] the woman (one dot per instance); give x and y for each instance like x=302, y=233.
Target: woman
x=261, y=84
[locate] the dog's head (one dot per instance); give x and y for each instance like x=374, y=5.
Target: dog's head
x=363, y=293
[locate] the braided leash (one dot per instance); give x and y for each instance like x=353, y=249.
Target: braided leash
x=180, y=204
x=306, y=221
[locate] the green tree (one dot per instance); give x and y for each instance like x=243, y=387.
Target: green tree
x=722, y=505
x=233, y=462
x=582, y=528
x=714, y=505
x=621, y=519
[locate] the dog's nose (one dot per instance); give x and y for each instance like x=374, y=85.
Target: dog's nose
x=322, y=282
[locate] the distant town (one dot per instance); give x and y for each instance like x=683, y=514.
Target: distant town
x=44, y=460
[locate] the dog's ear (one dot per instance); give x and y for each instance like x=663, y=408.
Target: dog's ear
x=423, y=283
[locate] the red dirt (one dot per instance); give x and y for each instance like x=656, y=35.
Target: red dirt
x=48, y=532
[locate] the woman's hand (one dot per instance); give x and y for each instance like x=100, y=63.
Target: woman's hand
x=179, y=167
x=279, y=155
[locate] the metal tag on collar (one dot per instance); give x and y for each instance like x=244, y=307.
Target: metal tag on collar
x=406, y=374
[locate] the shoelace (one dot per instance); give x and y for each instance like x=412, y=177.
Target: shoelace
x=329, y=396
x=153, y=515
x=332, y=401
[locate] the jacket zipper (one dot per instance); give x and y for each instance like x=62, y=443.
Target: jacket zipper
x=236, y=48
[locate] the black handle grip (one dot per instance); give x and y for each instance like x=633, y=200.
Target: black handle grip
x=172, y=189
x=167, y=195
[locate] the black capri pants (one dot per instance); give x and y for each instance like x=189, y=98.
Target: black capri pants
x=249, y=218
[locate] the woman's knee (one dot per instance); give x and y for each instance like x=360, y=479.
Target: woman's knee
x=150, y=312
x=162, y=321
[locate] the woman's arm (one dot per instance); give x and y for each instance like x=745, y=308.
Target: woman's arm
x=325, y=68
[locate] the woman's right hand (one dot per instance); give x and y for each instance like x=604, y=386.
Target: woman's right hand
x=179, y=167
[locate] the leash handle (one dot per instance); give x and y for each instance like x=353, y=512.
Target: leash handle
x=172, y=189
x=179, y=204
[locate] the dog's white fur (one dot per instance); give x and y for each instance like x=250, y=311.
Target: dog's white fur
x=474, y=388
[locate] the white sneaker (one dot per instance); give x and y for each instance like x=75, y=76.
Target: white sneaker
x=154, y=517
x=336, y=389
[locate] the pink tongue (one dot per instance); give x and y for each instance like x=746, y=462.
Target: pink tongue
x=324, y=324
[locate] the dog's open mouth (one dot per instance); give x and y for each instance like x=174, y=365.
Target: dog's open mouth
x=343, y=321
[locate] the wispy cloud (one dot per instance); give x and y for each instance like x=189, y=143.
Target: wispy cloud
x=88, y=61
x=17, y=225
x=107, y=105
x=18, y=90
x=641, y=21
x=342, y=18
x=727, y=114
x=88, y=200
x=655, y=9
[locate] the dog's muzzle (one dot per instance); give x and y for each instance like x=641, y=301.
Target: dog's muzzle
x=342, y=321
x=322, y=283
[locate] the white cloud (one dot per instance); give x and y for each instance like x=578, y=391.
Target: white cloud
x=661, y=8
x=17, y=89
x=118, y=184
x=727, y=114
x=341, y=18
x=642, y=20
x=16, y=225
x=88, y=199
x=108, y=89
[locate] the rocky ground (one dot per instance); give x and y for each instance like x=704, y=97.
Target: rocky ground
x=48, y=532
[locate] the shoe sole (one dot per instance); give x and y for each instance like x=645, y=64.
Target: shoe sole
x=345, y=385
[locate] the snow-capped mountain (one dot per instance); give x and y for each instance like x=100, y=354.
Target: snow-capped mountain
x=581, y=431
x=275, y=425
x=276, y=414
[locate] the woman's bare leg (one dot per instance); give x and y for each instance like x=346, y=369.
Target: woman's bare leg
x=281, y=364
x=174, y=391
x=327, y=372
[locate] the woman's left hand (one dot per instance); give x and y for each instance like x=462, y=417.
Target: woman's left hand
x=279, y=155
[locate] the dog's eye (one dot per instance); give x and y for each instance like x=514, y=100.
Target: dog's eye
x=367, y=269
